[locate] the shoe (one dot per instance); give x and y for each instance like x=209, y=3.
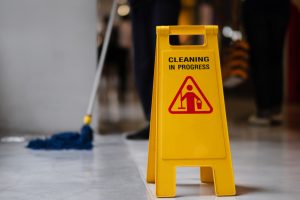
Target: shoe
x=273, y=120
x=259, y=121
x=140, y=135
x=232, y=82
x=276, y=119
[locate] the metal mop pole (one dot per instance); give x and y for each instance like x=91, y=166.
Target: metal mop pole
x=88, y=117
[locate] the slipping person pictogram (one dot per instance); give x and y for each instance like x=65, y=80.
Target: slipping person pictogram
x=190, y=99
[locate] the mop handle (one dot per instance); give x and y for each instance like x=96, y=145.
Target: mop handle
x=88, y=116
x=181, y=99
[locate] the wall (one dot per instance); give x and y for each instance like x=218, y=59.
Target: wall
x=47, y=63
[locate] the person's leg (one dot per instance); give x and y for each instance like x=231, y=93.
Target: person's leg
x=143, y=53
x=150, y=15
x=257, y=34
x=141, y=12
x=166, y=12
x=278, y=26
x=145, y=16
x=122, y=72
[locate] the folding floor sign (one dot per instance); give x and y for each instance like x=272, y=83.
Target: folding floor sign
x=188, y=126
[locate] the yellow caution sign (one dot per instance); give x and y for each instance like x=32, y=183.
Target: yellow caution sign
x=188, y=125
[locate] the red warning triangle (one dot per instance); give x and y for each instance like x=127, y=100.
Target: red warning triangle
x=190, y=99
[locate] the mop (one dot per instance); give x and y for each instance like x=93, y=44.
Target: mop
x=84, y=138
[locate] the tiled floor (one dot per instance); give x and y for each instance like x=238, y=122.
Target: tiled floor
x=266, y=170
x=107, y=172
x=266, y=163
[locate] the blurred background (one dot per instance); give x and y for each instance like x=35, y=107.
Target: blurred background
x=49, y=52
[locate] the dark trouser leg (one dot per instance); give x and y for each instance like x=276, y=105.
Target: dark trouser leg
x=143, y=51
x=278, y=25
x=256, y=27
x=166, y=12
x=145, y=16
x=122, y=71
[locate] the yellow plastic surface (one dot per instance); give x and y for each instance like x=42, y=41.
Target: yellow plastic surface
x=87, y=119
x=188, y=121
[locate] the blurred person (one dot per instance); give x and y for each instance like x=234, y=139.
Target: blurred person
x=117, y=53
x=124, y=51
x=265, y=24
x=205, y=12
x=111, y=56
x=296, y=3
x=146, y=15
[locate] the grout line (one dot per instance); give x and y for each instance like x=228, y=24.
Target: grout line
x=141, y=173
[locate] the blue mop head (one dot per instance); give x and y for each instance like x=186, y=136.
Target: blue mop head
x=65, y=140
